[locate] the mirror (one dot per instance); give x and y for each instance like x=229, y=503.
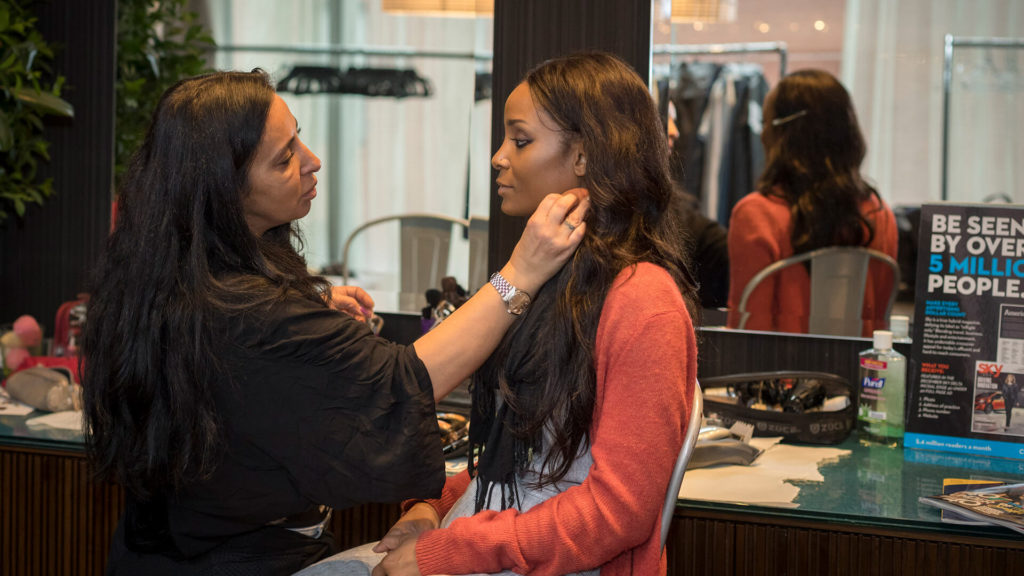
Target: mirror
x=385, y=156
x=397, y=106
x=892, y=63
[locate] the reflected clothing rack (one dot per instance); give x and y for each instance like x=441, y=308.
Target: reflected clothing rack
x=357, y=50
x=952, y=42
x=367, y=81
x=730, y=48
x=717, y=156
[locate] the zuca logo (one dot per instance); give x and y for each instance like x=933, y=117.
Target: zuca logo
x=993, y=369
x=876, y=383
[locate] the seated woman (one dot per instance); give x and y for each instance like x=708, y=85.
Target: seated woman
x=811, y=195
x=579, y=414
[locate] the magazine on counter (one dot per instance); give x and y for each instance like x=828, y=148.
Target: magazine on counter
x=1000, y=505
x=951, y=485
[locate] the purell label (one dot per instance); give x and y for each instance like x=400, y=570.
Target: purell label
x=873, y=364
x=874, y=383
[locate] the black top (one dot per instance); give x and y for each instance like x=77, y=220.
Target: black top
x=318, y=410
x=706, y=243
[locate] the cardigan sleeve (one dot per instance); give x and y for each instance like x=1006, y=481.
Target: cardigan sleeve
x=753, y=244
x=646, y=369
x=454, y=487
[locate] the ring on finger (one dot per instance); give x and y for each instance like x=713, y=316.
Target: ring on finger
x=571, y=227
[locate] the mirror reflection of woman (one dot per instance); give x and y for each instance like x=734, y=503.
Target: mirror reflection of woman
x=811, y=195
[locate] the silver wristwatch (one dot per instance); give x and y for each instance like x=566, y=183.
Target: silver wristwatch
x=516, y=301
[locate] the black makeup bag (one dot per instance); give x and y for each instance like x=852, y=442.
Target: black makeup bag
x=785, y=403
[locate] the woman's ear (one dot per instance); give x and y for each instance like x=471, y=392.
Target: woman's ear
x=579, y=164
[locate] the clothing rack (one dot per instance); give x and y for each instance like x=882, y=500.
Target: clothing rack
x=951, y=43
x=735, y=48
x=394, y=52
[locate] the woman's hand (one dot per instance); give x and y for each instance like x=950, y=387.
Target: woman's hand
x=351, y=300
x=552, y=234
x=400, y=561
x=460, y=344
x=400, y=541
x=420, y=518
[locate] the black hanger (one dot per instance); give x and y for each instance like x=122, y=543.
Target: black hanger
x=311, y=80
x=388, y=82
x=393, y=82
x=482, y=86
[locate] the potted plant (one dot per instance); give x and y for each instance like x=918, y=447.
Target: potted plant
x=28, y=92
x=159, y=42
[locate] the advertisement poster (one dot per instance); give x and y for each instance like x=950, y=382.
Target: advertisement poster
x=965, y=391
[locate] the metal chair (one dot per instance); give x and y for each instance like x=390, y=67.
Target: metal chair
x=838, y=276
x=424, y=239
x=478, y=274
x=692, y=430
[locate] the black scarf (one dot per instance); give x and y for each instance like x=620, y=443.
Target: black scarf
x=498, y=445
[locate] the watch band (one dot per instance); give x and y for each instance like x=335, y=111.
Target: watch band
x=504, y=288
x=516, y=301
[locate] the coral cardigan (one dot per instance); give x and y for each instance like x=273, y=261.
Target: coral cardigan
x=646, y=359
x=759, y=234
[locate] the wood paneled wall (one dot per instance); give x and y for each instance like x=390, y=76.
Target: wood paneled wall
x=44, y=257
x=527, y=32
x=53, y=518
x=743, y=545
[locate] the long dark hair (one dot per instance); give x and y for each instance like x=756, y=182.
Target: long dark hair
x=180, y=257
x=814, y=149
x=597, y=98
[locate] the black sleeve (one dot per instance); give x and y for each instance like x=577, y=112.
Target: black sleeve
x=707, y=247
x=712, y=257
x=349, y=415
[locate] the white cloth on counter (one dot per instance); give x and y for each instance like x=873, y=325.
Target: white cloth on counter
x=766, y=481
x=10, y=407
x=66, y=420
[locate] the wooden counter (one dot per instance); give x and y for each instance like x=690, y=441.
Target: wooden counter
x=55, y=520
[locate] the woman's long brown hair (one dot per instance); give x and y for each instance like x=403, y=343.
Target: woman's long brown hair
x=814, y=149
x=598, y=99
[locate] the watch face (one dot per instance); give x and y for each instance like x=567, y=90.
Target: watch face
x=519, y=302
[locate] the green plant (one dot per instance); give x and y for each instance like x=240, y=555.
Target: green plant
x=29, y=93
x=158, y=43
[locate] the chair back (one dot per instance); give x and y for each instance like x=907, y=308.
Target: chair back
x=425, y=240
x=685, y=452
x=478, y=273
x=838, y=279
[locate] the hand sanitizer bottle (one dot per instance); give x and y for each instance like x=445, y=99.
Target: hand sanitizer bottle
x=900, y=327
x=883, y=373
